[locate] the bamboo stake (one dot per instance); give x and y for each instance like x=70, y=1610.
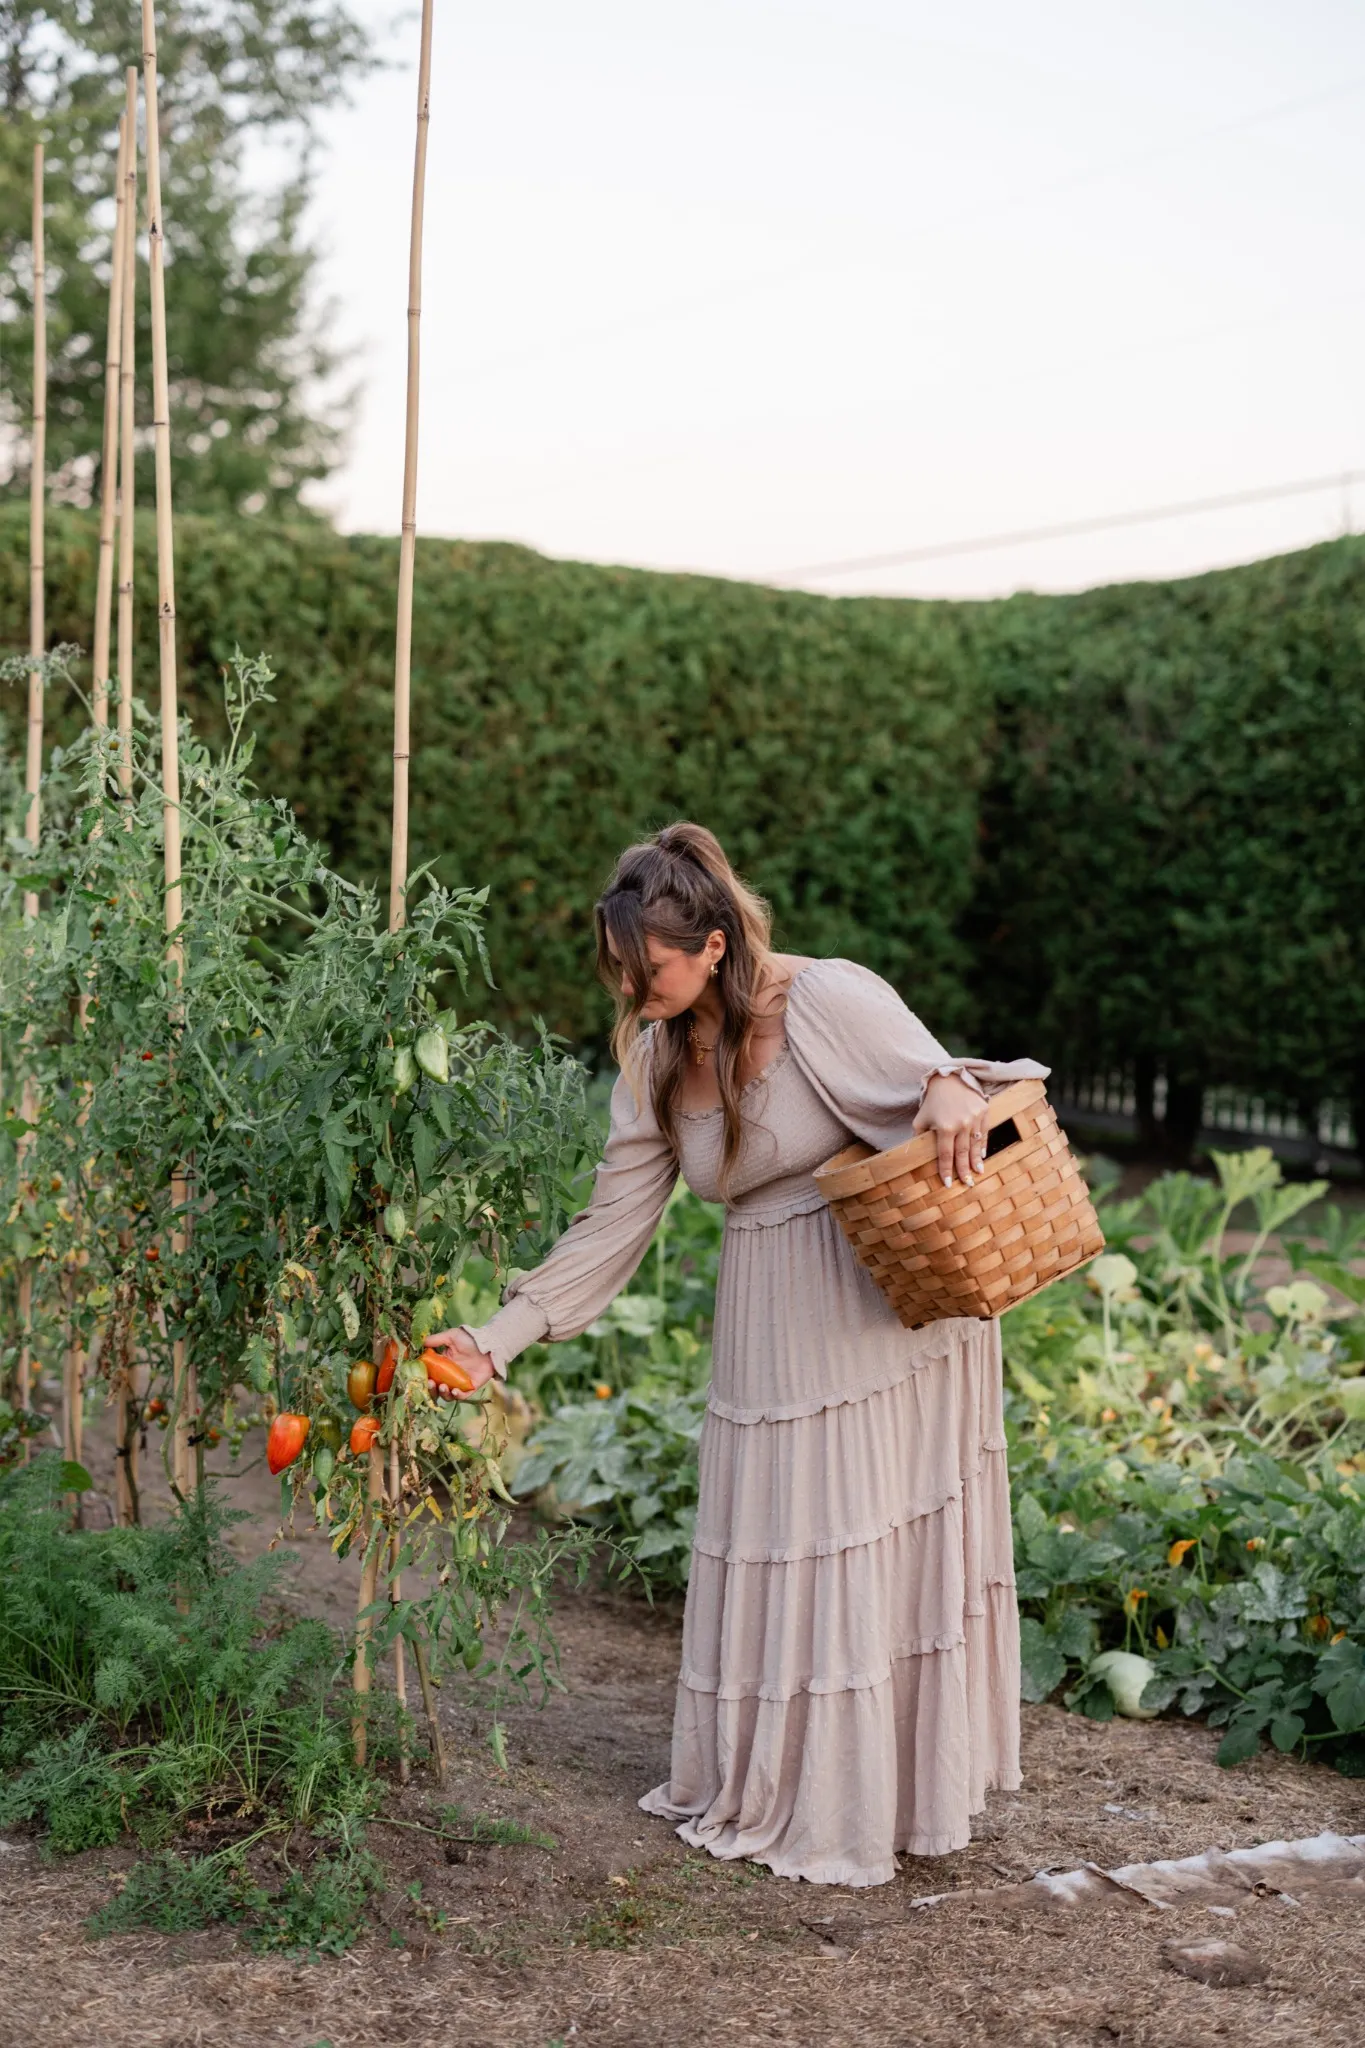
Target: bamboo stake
x=104, y=581
x=182, y=1373
x=73, y=1365
x=402, y=671
x=407, y=547
x=126, y=451
x=400, y=1668
x=369, y=1585
x=438, y=1748
x=37, y=647
x=129, y=1396
x=37, y=565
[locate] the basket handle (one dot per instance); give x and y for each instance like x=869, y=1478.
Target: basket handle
x=1009, y=1103
x=853, y=1171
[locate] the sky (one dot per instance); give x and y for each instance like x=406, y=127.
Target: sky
x=755, y=287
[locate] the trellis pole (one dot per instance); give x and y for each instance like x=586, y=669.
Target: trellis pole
x=73, y=1365
x=127, y=453
x=126, y=1374
x=184, y=1401
x=37, y=647
x=398, y=861
x=37, y=560
x=104, y=579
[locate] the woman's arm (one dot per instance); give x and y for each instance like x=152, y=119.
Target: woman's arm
x=597, y=1254
x=883, y=1074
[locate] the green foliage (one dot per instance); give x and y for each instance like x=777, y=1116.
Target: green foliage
x=141, y=1682
x=1176, y=796
x=1107, y=829
x=1187, y=1449
x=559, y=710
x=267, y=1058
x=319, y=1910
x=245, y=349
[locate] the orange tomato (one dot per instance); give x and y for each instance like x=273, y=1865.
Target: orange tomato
x=360, y=1383
x=444, y=1372
x=152, y=1253
x=363, y=1434
x=285, y=1440
x=388, y=1365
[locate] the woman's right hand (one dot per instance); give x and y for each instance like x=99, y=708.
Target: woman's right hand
x=460, y=1346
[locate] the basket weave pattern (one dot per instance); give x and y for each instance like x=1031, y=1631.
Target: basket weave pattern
x=967, y=1251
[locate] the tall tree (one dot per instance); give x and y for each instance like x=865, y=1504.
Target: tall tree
x=251, y=418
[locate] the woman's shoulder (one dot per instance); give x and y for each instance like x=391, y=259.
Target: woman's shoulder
x=838, y=987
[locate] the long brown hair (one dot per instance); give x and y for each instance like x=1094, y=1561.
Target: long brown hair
x=678, y=887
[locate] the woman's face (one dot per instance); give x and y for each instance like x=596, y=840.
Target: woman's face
x=677, y=980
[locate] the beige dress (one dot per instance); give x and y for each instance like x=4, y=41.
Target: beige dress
x=850, y=1667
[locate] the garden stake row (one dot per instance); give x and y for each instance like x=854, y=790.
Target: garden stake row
x=74, y=1359
x=184, y=1404
x=37, y=647
x=398, y=860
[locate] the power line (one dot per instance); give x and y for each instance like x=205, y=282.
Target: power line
x=1106, y=521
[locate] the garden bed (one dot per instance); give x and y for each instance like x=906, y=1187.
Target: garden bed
x=620, y=1935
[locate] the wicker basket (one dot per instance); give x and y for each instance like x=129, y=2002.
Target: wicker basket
x=967, y=1251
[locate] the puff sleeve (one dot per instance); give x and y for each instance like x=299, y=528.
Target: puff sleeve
x=602, y=1246
x=869, y=1058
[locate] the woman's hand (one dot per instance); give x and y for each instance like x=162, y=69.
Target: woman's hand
x=958, y=1115
x=458, y=1345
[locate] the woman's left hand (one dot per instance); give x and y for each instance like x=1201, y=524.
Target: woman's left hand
x=957, y=1114
x=460, y=1348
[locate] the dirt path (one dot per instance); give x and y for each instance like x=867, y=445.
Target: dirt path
x=620, y=1936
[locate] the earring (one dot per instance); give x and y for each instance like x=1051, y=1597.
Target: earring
x=715, y=969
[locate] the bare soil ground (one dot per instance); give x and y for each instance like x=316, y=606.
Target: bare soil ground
x=621, y=1936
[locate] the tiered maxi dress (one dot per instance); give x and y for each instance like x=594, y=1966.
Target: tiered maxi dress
x=850, y=1665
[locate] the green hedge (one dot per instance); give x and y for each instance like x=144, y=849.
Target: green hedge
x=1119, y=826
x=560, y=710
x=1173, y=829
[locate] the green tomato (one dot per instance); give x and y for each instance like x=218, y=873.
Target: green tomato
x=404, y=1070
x=396, y=1222
x=433, y=1054
x=328, y=1433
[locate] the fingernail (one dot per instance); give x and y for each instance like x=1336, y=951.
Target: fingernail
x=947, y=1180
x=970, y=1182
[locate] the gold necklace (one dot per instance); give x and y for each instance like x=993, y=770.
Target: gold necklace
x=699, y=1051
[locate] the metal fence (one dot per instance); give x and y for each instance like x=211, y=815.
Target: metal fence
x=1112, y=1099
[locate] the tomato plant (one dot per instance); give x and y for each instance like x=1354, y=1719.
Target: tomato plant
x=285, y=1153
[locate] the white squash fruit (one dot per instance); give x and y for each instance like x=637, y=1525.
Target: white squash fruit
x=1126, y=1675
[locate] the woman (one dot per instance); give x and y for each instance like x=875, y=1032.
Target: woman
x=850, y=1682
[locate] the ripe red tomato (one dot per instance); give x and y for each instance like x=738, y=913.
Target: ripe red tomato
x=445, y=1373
x=360, y=1383
x=363, y=1434
x=285, y=1440
x=388, y=1365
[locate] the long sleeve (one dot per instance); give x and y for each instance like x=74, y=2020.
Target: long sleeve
x=602, y=1246
x=869, y=1058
